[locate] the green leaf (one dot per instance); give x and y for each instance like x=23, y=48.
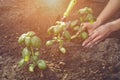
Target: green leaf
x=30, y=33
x=74, y=36
x=42, y=64
x=50, y=42
x=35, y=58
x=35, y=42
x=73, y=23
x=76, y=28
x=21, y=63
x=80, y=28
x=37, y=53
x=63, y=50
x=27, y=41
x=90, y=17
x=81, y=19
x=90, y=10
x=55, y=38
x=31, y=67
x=84, y=35
x=57, y=29
x=91, y=21
x=27, y=58
x=26, y=54
x=60, y=41
x=22, y=39
x=82, y=11
x=85, y=10
x=50, y=29
x=67, y=35
x=62, y=24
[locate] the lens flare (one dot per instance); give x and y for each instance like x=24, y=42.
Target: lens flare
x=52, y=6
x=51, y=2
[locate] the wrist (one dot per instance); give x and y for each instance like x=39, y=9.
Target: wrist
x=111, y=27
x=98, y=22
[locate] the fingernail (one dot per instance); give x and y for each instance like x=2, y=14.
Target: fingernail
x=83, y=44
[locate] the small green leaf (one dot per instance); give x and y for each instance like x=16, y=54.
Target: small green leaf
x=35, y=58
x=73, y=23
x=42, y=64
x=36, y=42
x=21, y=63
x=74, y=36
x=90, y=10
x=37, y=53
x=81, y=19
x=76, y=28
x=27, y=58
x=67, y=35
x=21, y=39
x=50, y=29
x=63, y=50
x=82, y=11
x=30, y=33
x=55, y=38
x=91, y=21
x=50, y=42
x=61, y=24
x=31, y=67
x=84, y=35
x=85, y=10
x=57, y=29
x=26, y=54
x=90, y=17
x=27, y=41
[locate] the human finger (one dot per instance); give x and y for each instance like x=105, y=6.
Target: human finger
x=89, y=39
x=94, y=41
x=85, y=25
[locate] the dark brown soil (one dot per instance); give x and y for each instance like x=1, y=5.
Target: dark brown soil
x=102, y=62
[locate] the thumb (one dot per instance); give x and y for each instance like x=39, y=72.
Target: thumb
x=85, y=26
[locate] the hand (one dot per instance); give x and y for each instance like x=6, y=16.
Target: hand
x=90, y=27
x=97, y=35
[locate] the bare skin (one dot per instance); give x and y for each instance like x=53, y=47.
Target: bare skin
x=100, y=29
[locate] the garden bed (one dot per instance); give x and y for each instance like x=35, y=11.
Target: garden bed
x=102, y=62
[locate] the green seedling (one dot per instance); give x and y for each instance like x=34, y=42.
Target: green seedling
x=30, y=54
x=61, y=34
x=85, y=15
x=61, y=29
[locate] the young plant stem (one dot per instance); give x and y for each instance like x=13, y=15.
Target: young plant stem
x=67, y=26
x=78, y=32
x=32, y=52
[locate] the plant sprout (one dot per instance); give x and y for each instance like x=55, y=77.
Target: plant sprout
x=60, y=33
x=85, y=15
x=60, y=29
x=31, y=52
